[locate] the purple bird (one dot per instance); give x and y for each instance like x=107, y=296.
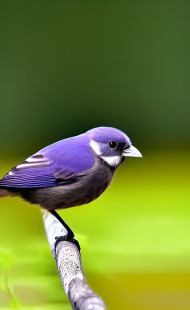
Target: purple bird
x=70, y=172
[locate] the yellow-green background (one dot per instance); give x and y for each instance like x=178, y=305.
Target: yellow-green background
x=65, y=67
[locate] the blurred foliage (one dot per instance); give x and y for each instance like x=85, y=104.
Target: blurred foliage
x=6, y=258
x=67, y=66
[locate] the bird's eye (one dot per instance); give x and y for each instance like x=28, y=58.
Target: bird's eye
x=113, y=144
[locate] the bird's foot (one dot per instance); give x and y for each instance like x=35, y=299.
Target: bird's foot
x=67, y=238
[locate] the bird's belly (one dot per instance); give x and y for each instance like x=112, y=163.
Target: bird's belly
x=81, y=192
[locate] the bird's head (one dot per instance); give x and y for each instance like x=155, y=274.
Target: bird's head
x=112, y=145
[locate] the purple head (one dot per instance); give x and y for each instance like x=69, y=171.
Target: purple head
x=105, y=134
x=111, y=144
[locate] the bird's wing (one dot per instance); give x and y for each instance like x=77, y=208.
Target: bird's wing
x=58, y=164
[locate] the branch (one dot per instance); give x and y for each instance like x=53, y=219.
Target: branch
x=69, y=265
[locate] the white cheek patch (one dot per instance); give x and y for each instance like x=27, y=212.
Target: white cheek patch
x=112, y=160
x=95, y=146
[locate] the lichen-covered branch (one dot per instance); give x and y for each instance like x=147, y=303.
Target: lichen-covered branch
x=69, y=265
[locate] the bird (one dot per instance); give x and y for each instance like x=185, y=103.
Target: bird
x=70, y=172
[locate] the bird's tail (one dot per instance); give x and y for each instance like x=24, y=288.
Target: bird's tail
x=4, y=192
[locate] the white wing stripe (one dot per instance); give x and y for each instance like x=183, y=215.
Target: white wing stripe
x=31, y=165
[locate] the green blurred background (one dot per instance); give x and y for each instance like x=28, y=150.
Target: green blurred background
x=68, y=66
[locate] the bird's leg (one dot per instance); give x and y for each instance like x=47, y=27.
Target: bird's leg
x=70, y=237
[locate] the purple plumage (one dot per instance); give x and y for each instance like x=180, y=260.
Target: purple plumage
x=70, y=172
x=60, y=161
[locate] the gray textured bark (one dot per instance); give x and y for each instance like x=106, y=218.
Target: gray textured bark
x=69, y=265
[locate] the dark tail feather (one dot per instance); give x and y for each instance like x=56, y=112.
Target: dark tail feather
x=4, y=192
